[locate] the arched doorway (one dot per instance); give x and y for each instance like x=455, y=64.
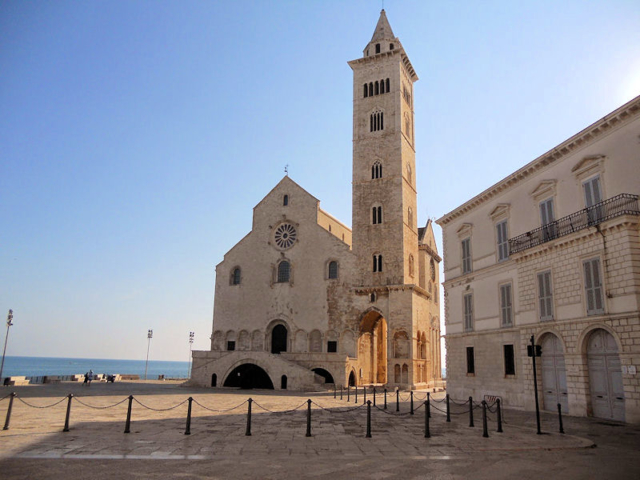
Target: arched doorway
x=372, y=347
x=214, y=380
x=249, y=375
x=279, y=339
x=605, y=376
x=352, y=379
x=554, y=376
x=283, y=382
x=328, y=378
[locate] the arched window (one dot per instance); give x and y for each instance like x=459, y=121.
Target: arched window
x=377, y=263
x=285, y=200
x=377, y=88
x=279, y=339
x=372, y=297
x=432, y=268
x=410, y=217
x=376, y=170
x=381, y=87
x=391, y=46
x=333, y=269
x=388, y=89
x=366, y=91
x=235, y=276
x=411, y=265
x=407, y=126
x=377, y=48
x=284, y=271
x=409, y=173
x=376, y=120
x=376, y=215
x=371, y=89
x=381, y=121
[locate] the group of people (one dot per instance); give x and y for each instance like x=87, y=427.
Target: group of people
x=87, y=378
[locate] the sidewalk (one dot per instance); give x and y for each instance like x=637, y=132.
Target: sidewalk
x=338, y=429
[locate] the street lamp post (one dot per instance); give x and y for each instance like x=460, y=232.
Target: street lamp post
x=149, y=337
x=9, y=323
x=191, y=334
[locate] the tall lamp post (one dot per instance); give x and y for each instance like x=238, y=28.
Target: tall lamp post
x=149, y=337
x=191, y=334
x=9, y=323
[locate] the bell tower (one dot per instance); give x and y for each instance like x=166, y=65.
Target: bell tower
x=385, y=232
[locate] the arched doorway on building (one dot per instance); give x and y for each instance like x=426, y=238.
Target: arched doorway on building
x=605, y=376
x=372, y=347
x=352, y=379
x=554, y=375
x=214, y=380
x=279, y=339
x=248, y=375
x=328, y=378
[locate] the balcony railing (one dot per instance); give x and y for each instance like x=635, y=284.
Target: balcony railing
x=623, y=204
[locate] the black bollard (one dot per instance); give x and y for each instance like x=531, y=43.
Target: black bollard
x=385, y=398
x=427, y=433
x=411, y=395
x=187, y=430
x=348, y=393
x=248, y=432
x=485, y=431
x=448, y=410
x=356, y=388
x=499, y=411
x=471, y=411
x=9, y=408
x=364, y=390
x=340, y=392
x=368, y=435
x=560, y=418
x=429, y=403
x=66, y=419
x=127, y=425
x=308, y=418
x=374, y=396
x=397, y=400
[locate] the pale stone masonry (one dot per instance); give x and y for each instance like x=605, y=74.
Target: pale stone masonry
x=303, y=300
x=552, y=251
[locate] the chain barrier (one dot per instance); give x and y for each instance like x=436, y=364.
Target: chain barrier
x=339, y=411
x=219, y=411
x=279, y=411
x=97, y=407
x=392, y=414
x=45, y=406
x=6, y=396
x=458, y=403
x=159, y=409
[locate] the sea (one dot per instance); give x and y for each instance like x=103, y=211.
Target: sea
x=41, y=366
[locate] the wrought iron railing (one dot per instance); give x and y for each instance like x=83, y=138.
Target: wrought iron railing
x=623, y=204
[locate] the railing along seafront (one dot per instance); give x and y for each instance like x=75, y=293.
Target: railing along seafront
x=448, y=407
x=623, y=204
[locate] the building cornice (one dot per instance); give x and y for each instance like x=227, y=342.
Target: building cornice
x=431, y=252
x=595, y=131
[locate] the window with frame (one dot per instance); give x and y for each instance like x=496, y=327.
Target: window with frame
x=333, y=269
x=545, y=295
x=503, y=240
x=376, y=170
x=509, y=360
x=377, y=263
x=466, y=255
x=284, y=271
x=471, y=364
x=593, y=196
x=506, y=311
x=332, y=346
x=376, y=215
x=376, y=121
x=231, y=345
x=235, y=276
x=468, y=312
x=593, y=287
x=285, y=200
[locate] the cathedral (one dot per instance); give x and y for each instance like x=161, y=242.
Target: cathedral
x=304, y=301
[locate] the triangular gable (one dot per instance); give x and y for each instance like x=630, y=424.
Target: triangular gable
x=544, y=188
x=464, y=230
x=501, y=211
x=588, y=166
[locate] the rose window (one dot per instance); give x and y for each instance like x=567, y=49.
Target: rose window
x=285, y=236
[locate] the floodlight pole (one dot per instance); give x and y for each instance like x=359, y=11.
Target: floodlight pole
x=149, y=337
x=6, y=338
x=191, y=335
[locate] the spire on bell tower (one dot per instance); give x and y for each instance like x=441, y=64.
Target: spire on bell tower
x=383, y=39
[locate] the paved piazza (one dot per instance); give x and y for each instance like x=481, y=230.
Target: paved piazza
x=96, y=447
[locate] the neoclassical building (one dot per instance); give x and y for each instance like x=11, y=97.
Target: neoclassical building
x=303, y=300
x=552, y=251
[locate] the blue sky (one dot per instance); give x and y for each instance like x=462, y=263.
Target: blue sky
x=136, y=137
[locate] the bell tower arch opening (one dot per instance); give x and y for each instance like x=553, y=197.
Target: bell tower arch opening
x=372, y=347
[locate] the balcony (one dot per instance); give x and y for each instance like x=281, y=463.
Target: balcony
x=623, y=204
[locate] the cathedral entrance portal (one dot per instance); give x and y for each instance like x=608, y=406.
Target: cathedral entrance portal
x=372, y=348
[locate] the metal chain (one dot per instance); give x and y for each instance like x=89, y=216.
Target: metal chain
x=279, y=411
x=6, y=396
x=339, y=411
x=159, y=409
x=392, y=414
x=45, y=406
x=100, y=408
x=218, y=411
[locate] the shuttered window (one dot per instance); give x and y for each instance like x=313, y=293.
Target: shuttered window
x=505, y=305
x=592, y=196
x=593, y=287
x=545, y=297
x=503, y=241
x=466, y=255
x=468, y=312
x=547, y=216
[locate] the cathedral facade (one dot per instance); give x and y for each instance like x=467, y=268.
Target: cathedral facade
x=303, y=300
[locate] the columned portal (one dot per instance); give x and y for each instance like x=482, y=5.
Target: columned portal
x=372, y=348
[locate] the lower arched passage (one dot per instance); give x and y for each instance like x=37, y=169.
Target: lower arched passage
x=328, y=378
x=248, y=375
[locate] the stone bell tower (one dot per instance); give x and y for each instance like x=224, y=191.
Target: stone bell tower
x=385, y=232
